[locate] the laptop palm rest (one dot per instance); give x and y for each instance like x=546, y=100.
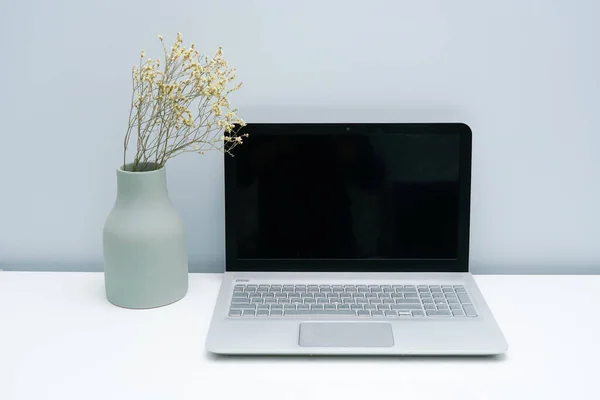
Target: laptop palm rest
x=345, y=334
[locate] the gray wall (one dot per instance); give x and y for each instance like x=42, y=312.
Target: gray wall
x=523, y=74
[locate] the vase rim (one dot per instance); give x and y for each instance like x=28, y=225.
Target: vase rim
x=123, y=171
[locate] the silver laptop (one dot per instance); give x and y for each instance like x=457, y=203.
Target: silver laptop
x=350, y=239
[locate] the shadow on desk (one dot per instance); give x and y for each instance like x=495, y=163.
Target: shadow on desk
x=394, y=358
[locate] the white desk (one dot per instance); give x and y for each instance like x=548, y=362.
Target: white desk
x=60, y=339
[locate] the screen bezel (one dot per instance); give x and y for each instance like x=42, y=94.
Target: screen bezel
x=460, y=264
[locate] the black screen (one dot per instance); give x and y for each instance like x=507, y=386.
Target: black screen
x=340, y=195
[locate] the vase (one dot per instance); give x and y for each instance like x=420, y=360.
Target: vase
x=144, y=243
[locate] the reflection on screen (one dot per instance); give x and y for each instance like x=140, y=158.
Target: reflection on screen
x=382, y=196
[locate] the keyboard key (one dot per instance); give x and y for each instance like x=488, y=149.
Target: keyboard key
x=276, y=313
x=448, y=290
x=330, y=307
x=240, y=295
x=446, y=286
x=345, y=295
x=296, y=301
x=438, y=295
x=375, y=301
x=458, y=313
x=249, y=313
x=388, y=290
x=312, y=301
x=243, y=307
x=294, y=295
x=388, y=301
x=281, y=295
x=425, y=296
x=429, y=306
x=320, y=295
x=428, y=301
x=257, y=301
x=464, y=298
x=385, y=296
x=370, y=307
x=453, y=301
x=435, y=287
x=440, y=301
x=423, y=287
x=358, y=295
x=363, y=289
x=356, y=307
x=376, y=290
x=349, y=301
x=306, y=306
x=363, y=313
x=418, y=314
x=411, y=296
x=270, y=301
x=406, y=307
x=325, y=290
x=433, y=313
x=436, y=290
x=288, y=287
x=322, y=301
x=408, y=301
x=455, y=306
x=362, y=301
x=335, y=301
x=383, y=307
x=254, y=295
x=442, y=307
x=307, y=295
x=240, y=301
x=283, y=301
x=268, y=295
x=276, y=306
x=469, y=310
x=376, y=313
x=459, y=287
x=423, y=290
x=251, y=286
x=289, y=307
x=404, y=313
x=371, y=295
x=332, y=313
x=235, y=313
x=316, y=307
x=262, y=313
x=389, y=313
x=343, y=306
x=263, y=306
x=250, y=290
x=333, y=295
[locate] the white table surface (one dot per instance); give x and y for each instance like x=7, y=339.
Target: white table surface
x=61, y=339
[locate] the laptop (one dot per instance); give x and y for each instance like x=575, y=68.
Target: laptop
x=350, y=239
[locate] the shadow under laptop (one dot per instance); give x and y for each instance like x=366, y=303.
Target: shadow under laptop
x=346, y=358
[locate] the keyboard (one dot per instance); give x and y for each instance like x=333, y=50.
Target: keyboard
x=361, y=301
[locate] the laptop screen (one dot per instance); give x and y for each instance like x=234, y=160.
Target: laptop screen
x=344, y=192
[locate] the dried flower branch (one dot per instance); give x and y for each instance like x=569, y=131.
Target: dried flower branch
x=181, y=108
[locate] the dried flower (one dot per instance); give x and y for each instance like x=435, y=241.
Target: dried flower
x=182, y=107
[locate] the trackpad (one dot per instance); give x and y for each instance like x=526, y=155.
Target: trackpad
x=345, y=334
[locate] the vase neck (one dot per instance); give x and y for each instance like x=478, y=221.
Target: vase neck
x=135, y=186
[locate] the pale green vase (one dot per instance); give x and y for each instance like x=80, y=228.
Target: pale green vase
x=145, y=255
